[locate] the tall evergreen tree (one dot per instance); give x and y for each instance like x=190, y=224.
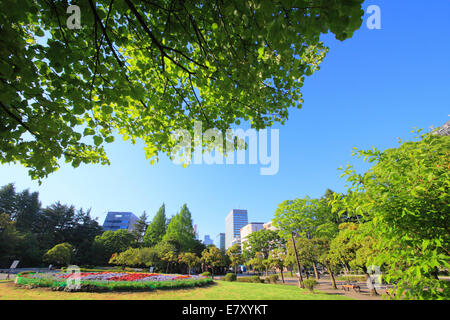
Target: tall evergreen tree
x=23, y=207
x=27, y=210
x=8, y=199
x=180, y=230
x=140, y=227
x=157, y=228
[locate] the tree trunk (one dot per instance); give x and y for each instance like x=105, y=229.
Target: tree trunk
x=346, y=268
x=333, y=281
x=300, y=278
x=315, y=272
x=282, y=277
x=212, y=273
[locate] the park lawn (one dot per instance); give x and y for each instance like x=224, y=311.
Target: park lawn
x=221, y=290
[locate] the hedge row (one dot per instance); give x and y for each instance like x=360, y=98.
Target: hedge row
x=252, y=279
x=359, y=278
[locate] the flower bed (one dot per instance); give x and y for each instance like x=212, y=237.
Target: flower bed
x=111, y=281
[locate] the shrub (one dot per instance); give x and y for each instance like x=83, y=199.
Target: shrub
x=310, y=284
x=26, y=272
x=252, y=279
x=352, y=278
x=273, y=278
x=230, y=277
x=206, y=274
x=112, y=269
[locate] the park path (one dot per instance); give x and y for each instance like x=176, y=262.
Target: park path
x=325, y=286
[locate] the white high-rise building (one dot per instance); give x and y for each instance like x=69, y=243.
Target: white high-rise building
x=269, y=226
x=235, y=220
x=250, y=228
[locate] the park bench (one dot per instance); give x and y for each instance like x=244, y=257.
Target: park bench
x=348, y=286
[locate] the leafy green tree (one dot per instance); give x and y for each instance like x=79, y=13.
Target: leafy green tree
x=181, y=231
x=307, y=220
x=198, y=247
x=262, y=241
x=23, y=207
x=28, y=251
x=60, y=223
x=147, y=69
x=167, y=252
x=157, y=228
x=148, y=257
x=129, y=257
x=235, y=255
x=60, y=255
x=324, y=258
x=257, y=263
x=189, y=259
x=136, y=257
x=277, y=258
x=213, y=257
x=343, y=248
x=9, y=239
x=82, y=235
x=406, y=194
x=41, y=229
x=308, y=253
x=111, y=242
x=297, y=218
x=8, y=199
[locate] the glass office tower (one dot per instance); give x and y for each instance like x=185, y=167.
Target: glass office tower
x=235, y=220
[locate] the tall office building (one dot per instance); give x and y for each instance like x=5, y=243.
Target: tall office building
x=235, y=220
x=207, y=240
x=250, y=228
x=221, y=241
x=196, y=232
x=119, y=220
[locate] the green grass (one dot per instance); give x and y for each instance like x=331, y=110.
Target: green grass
x=221, y=290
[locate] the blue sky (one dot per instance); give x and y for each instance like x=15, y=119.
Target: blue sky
x=371, y=89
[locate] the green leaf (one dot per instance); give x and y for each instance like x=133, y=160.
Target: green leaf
x=98, y=140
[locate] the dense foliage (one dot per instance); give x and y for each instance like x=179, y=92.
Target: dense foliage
x=28, y=231
x=59, y=255
x=405, y=196
x=157, y=228
x=148, y=68
x=394, y=217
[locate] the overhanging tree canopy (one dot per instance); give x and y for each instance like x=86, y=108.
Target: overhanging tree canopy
x=147, y=68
